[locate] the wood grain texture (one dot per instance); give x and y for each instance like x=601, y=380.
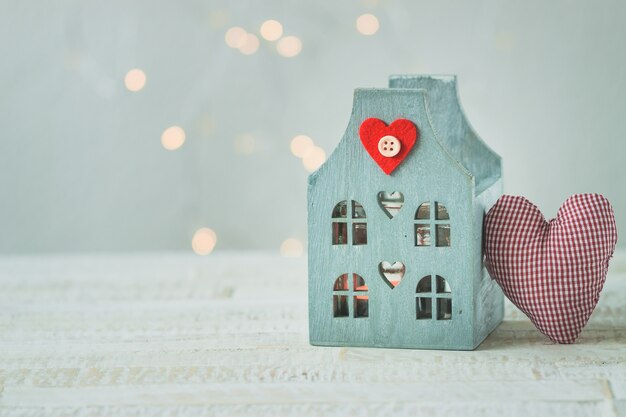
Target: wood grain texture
x=179, y=335
x=437, y=170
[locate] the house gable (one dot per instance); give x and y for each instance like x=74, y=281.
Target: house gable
x=453, y=128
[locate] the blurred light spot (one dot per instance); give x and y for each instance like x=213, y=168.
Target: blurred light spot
x=206, y=125
x=173, y=138
x=271, y=30
x=203, y=241
x=314, y=159
x=291, y=248
x=218, y=18
x=505, y=41
x=250, y=45
x=245, y=144
x=73, y=60
x=135, y=79
x=235, y=37
x=301, y=145
x=289, y=46
x=367, y=24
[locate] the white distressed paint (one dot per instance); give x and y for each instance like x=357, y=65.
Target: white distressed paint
x=179, y=335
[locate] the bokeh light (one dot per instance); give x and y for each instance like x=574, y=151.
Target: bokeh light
x=245, y=144
x=135, y=80
x=291, y=248
x=271, y=30
x=314, y=159
x=206, y=124
x=218, y=18
x=289, y=46
x=204, y=241
x=367, y=24
x=235, y=37
x=173, y=138
x=301, y=145
x=250, y=45
x=504, y=41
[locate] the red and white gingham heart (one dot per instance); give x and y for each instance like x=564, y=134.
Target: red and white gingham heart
x=551, y=270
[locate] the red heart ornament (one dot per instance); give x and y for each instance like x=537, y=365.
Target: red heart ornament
x=373, y=130
x=551, y=270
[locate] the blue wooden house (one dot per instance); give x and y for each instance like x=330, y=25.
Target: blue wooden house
x=395, y=224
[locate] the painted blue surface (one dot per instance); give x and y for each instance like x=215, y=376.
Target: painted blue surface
x=449, y=165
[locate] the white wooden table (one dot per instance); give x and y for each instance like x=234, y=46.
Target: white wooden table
x=166, y=334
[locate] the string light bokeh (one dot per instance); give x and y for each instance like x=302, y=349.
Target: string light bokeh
x=135, y=80
x=173, y=138
x=367, y=24
x=271, y=30
x=194, y=127
x=204, y=241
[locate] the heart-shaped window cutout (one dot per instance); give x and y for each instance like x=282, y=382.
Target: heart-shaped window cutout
x=391, y=203
x=391, y=273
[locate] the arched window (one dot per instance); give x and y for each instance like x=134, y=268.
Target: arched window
x=433, y=299
x=349, y=218
x=432, y=221
x=350, y=297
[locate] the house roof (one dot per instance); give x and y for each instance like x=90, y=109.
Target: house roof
x=453, y=129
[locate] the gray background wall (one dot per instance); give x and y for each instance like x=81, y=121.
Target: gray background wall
x=83, y=169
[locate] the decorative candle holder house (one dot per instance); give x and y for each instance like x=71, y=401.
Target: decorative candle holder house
x=395, y=223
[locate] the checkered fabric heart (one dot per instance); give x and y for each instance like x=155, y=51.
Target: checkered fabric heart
x=551, y=270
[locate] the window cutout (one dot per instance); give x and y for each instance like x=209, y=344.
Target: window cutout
x=391, y=273
x=422, y=235
x=341, y=283
x=442, y=286
x=359, y=233
x=444, y=309
x=441, y=212
x=423, y=307
x=357, y=210
x=340, y=306
x=391, y=203
x=340, y=233
x=361, y=306
x=359, y=283
x=425, y=284
x=350, y=296
x=443, y=235
x=341, y=210
x=423, y=212
x=441, y=299
x=344, y=228
x=438, y=221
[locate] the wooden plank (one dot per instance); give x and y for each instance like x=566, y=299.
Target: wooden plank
x=297, y=393
x=194, y=352
x=426, y=408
